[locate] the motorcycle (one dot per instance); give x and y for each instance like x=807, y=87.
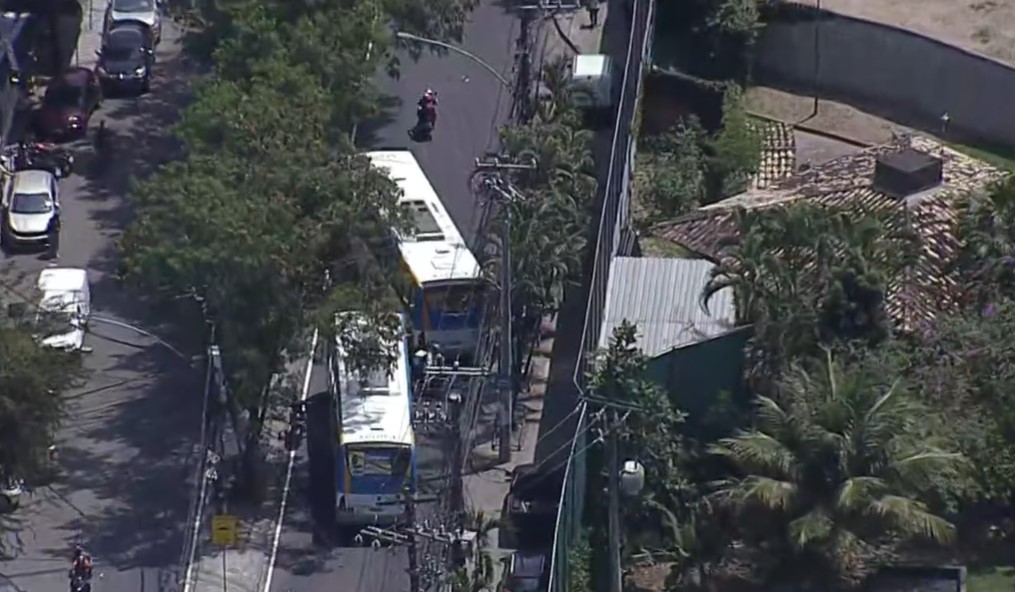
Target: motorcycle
x=79, y=583
x=41, y=156
x=426, y=120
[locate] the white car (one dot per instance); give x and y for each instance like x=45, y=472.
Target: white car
x=141, y=11
x=30, y=202
x=65, y=305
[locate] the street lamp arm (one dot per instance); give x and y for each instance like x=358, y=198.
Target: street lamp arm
x=456, y=49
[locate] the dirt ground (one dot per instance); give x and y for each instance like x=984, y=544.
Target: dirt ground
x=983, y=26
x=832, y=117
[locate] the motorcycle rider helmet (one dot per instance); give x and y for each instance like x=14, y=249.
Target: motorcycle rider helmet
x=429, y=95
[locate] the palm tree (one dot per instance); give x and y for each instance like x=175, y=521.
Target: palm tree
x=834, y=473
x=986, y=229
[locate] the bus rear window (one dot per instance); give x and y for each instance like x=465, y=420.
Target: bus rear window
x=458, y=299
x=379, y=462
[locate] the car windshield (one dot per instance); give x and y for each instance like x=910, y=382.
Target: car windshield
x=31, y=203
x=133, y=5
x=65, y=96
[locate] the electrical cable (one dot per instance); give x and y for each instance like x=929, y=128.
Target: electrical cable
x=541, y=475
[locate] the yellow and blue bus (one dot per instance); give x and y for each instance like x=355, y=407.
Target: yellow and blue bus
x=376, y=445
x=447, y=285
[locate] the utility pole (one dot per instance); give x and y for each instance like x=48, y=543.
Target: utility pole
x=613, y=487
x=421, y=578
x=441, y=394
x=410, y=519
x=497, y=187
x=613, y=481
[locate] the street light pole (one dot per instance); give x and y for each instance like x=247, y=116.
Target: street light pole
x=456, y=49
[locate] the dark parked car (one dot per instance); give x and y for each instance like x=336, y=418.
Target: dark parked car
x=526, y=571
x=530, y=507
x=69, y=103
x=126, y=58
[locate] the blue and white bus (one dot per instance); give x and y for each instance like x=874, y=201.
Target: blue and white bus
x=446, y=279
x=376, y=444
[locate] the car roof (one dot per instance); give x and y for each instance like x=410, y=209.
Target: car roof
x=32, y=181
x=62, y=279
x=76, y=76
x=528, y=564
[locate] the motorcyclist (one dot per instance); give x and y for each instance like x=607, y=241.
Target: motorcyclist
x=81, y=565
x=428, y=107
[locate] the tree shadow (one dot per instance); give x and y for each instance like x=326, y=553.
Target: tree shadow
x=371, y=134
x=125, y=462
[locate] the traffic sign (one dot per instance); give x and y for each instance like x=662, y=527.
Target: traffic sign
x=223, y=530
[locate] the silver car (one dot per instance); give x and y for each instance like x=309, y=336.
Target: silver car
x=147, y=12
x=30, y=202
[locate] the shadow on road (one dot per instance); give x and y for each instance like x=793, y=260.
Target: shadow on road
x=127, y=451
x=367, y=133
x=137, y=148
x=126, y=456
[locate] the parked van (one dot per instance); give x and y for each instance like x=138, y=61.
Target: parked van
x=65, y=305
x=591, y=83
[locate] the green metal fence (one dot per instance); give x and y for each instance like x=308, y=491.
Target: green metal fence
x=571, y=508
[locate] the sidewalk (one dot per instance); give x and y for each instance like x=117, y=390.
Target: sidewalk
x=90, y=39
x=244, y=568
x=486, y=483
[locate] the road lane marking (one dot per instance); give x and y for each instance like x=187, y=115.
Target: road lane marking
x=289, y=472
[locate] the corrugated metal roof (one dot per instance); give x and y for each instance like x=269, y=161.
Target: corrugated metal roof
x=663, y=298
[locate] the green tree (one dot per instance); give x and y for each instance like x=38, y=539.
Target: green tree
x=549, y=213
x=986, y=227
x=32, y=382
x=735, y=151
x=651, y=433
x=835, y=474
x=267, y=219
x=674, y=180
x=807, y=276
x=961, y=368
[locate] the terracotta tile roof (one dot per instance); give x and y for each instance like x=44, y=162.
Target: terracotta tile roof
x=925, y=288
x=778, y=154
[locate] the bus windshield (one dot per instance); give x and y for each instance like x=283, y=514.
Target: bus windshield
x=453, y=299
x=389, y=461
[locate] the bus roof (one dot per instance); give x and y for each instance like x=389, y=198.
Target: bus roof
x=436, y=251
x=376, y=408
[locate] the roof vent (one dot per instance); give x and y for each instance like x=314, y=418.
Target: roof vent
x=904, y=173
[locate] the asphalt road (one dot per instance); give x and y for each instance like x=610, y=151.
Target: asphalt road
x=473, y=105
x=127, y=447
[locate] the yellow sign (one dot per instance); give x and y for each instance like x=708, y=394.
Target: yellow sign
x=223, y=530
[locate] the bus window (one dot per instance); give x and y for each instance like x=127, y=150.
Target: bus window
x=387, y=462
x=459, y=299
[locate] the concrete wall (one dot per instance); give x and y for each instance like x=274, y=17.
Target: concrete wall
x=886, y=71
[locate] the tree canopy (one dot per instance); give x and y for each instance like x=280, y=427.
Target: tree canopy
x=835, y=474
x=32, y=382
x=549, y=221
x=271, y=217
